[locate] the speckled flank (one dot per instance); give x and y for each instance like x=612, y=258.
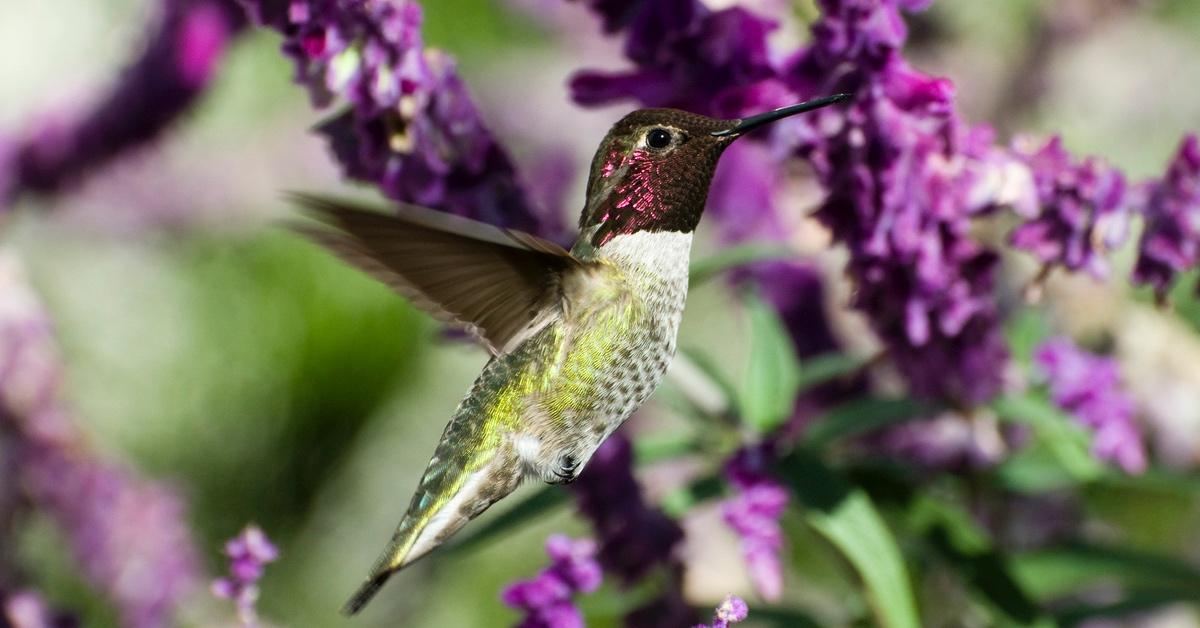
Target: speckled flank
x=541, y=410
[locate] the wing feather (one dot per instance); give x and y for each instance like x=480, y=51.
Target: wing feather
x=491, y=281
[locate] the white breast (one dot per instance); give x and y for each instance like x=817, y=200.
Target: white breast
x=664, y=254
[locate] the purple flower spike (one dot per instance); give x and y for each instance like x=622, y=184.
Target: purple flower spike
x=1084, y=211
x=685, y=56
x=127, y=534
x=409, y=125
x=754, y=515
x=1088, y=387
x=178, y=62
x=249, y=553
x=633, y=537
x=903, y=175
x=546, y=599
x=1171, y=242
x=731, y=610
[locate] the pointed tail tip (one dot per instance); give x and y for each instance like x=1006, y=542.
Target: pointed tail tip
x=365, y=593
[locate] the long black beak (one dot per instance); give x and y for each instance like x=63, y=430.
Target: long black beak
x=753, y=122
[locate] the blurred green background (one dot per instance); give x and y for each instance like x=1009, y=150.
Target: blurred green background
x=272, y=384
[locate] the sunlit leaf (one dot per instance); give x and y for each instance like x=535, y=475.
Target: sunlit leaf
x=847, y=518
x=772, y=373
x=716, y=379
x=1067, y=440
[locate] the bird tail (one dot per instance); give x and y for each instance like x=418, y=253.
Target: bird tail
x=366, y=592
x=451, y=493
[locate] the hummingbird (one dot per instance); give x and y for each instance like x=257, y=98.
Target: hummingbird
x=578, y=338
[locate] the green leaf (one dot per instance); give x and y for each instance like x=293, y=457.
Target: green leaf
x=716, y=379
x=1025, y=330
x=1069, y=442
x=819, y=369
x=772, y=373
x=676, y=503
x=653, y=448
x=860, y=416
x=704, y=269
x=846, y=516
x=1064, y=569
x=967, y=547
x=536, y=506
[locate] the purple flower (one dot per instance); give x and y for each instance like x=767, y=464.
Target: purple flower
x=1171, y=242
x=249, y=553
x=1088, y=387
x=754, y=515
x=731, y=610
x=128, y=534
x=546, y=599
x=409, y=126
x=903, y=179
x=633, y=537
x=1083, y=209
x=179, y=59
x=685, y=55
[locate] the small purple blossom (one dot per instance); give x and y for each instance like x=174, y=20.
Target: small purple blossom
x=754, y=515
x=1083, y=211
x=249, y=552
x=546, y=599
x=410, y=126
x=633, y=537
x=1171, y=242
x=179, y=59
x=731, y=610
x=1088, y=387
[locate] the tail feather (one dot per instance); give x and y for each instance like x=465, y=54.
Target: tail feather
x=448, y=497
x=365, y=593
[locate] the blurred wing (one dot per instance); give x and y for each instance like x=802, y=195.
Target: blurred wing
x=490, y=280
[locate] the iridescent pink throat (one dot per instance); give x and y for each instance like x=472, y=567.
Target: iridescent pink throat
x=638, y=191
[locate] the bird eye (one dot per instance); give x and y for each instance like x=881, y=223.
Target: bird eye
x=658, y=138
